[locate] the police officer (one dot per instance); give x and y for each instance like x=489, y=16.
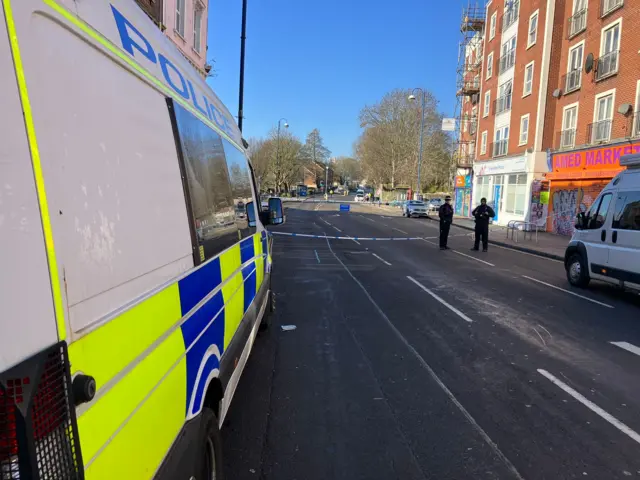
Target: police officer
x=482, y=213
x=445, y=212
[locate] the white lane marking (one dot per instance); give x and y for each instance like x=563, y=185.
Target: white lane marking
x=337, y=229
x=355, y=240
x=463, y=254
x=591, y=406
x=472, y=421
x=401, y=231
x=568, y=291
x=381, y=259
x=524, y=253
x=317, y=257
x=370, y=219
x=326, y=222
x=627, y=346
x=443, y=302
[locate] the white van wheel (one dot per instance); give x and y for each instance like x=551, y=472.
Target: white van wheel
x=577, y=273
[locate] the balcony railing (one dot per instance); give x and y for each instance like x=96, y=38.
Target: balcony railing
x=608, y=6
x=573, y=80
x=469, y=87
x=568, y=138
x=607, y=65
x=600, y=131
x=502, y=104
x=507, y=60
x=577, y=22
x=499, y=148
x=510, y=15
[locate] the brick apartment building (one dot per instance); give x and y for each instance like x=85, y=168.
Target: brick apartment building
x=557, y=105
x=185, y=23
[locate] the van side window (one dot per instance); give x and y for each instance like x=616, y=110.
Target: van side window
x=627, y=216
x=599, y=214
x=240, y=186
x=207, y=186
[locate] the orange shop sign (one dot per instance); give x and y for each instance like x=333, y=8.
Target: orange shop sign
x=461, y=181
x=592, y=163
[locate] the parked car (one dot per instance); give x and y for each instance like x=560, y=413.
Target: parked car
x=606, y=243
x=415, y=208
x=434, y=204
x=359, y=197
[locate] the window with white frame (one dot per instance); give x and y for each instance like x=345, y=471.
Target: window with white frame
x=578, y=19
x=197, y=27
x=483, y=142
x=484, y=187
x=508, y=55
x=487, y=103
x=528, y=80
x=180, y=5
x=524, y=129
x=609, y=51
x=574, y=68
x=569, y=125
x=516, y=194
x=502, y=141
x=489, y=65
x=505, y=94
x=492, y=25
x=533, y=30
x=601, y=127
x=636, y=117
x=609, y=6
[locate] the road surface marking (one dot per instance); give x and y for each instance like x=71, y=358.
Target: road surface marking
x=326, y=222
x=401, y=231
x=370, y=219
x=472, y=421
x=381, y=259
x=627, y=346
x=463, y=254
x=317, y=257
x=337, y=229
x=443, y=302
x=591, y=406
x=568, y=291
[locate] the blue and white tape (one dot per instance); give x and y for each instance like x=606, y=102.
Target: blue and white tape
x=307, y=235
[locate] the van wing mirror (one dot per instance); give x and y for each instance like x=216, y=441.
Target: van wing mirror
x=581, y=221
x=251, y=214
x=276, y=212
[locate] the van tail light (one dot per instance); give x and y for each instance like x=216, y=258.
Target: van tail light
x=38, y=428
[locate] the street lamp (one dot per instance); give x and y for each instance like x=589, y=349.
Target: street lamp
x=326, y=181
x=286, y=125
x=413, y=97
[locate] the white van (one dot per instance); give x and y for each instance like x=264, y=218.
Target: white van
x=606, y=242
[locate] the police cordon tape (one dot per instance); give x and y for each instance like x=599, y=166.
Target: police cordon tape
x=308, y=235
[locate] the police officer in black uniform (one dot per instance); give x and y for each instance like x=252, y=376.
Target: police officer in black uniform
x=482, y=213
x=445, y=212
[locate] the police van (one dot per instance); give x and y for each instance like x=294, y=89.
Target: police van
x=131, y=289
x=606, y=243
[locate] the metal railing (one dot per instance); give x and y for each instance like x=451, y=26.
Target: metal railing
x=607, y=65
x=507, y=61
x=567, y=138
x=499, y=148
x=577, y=22
x=502, y=104
x=515, y=226
x=608, y=6
x=600, y=131
x=573, y=80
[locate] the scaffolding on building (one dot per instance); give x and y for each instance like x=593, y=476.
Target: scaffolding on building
x=468, y=83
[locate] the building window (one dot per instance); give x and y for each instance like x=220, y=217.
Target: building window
x=180, y=17
x=533, y=30
x=516, y=194
x=483, y=142
x=524, y=129
x=569, y=124
x=528, y=80
x=601, y=127
x=489, y=65
x=487, y=103
x=492, y=25
x=574, y=68
x=609, y=6
x=197, y=27
x=511, y=10
x=578, y=20
x=508, y=56
x=502, y=141
x=503, y=102
x=609, y=51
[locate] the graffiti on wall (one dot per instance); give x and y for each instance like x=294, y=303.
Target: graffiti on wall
x=538, y=209
x=569, y=200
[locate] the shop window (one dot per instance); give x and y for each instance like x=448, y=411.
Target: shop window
x=516, y=194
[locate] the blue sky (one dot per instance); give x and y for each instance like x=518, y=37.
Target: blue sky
x=317, y=63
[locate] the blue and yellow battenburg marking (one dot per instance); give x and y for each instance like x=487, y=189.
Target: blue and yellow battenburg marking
x=169, y=380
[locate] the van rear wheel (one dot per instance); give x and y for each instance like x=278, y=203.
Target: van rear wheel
x=577, y=272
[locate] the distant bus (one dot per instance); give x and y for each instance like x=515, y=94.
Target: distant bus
x=302, y=190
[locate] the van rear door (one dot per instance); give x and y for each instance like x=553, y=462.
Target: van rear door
x=624, y=253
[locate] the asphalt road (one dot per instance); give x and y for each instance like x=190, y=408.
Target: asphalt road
x=412, y=363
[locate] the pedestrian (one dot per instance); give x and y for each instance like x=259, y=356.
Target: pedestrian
x=445, y=212
x=482, y=213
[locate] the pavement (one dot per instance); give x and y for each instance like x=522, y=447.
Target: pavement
x=408, y=362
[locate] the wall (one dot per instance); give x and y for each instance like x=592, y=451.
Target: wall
x=198, y=59
x=569, y=197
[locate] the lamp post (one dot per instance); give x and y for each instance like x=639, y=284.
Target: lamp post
x=286, y=125
x=413, y=97
x=326, y=181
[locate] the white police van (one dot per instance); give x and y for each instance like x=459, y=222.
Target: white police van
x=606, y=242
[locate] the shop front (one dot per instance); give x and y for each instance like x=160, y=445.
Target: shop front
x=462, y=195
x=505, y=185
x=576, y=178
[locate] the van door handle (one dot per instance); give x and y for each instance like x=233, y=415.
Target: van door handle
x=614, y=236
x=603, y=235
